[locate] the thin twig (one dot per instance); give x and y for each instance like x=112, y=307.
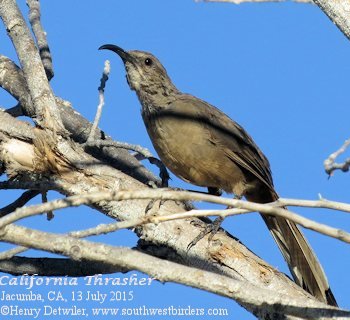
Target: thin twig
x=20, y=202
x=321, y=203
x=8, y=254
x=49, y=214
x=330, y=165
x=40, y=36
x=101, y=90
x=142, y=153
x=134, y=147
x=160, y=194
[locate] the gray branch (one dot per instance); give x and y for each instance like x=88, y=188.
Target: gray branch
x=40, y=36
x=42, y=97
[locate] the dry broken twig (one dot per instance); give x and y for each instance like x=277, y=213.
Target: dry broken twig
x=330, y=165
x=141, y=154
x=101, y=95
x=8, y=254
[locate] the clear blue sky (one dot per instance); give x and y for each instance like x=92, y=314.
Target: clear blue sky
x=280, y=70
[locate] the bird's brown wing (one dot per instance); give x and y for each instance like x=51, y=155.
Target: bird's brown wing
x=238, y=144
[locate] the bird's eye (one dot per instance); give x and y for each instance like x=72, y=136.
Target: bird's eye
x=148, y=62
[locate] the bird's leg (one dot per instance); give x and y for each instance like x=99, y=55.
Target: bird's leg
x=213, y=227
x=218, y=221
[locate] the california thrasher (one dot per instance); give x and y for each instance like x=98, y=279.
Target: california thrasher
x=203, y=146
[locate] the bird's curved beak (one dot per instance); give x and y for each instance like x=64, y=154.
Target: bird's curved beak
x=124, y=55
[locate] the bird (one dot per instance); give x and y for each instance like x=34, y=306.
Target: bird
x=203, y=146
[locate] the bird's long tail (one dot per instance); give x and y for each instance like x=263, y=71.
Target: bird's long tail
x=302, y=261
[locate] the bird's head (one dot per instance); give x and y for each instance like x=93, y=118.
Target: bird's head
x=143, y=70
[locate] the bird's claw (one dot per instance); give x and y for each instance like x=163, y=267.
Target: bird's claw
x=150, y=205
x=211, y=229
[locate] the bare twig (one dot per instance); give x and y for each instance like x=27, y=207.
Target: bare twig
x=321, y=203
x=47, y=115
x=101, y=91
x=242, y=291
x=49, y=214
x=116, y=144
x=98, y=230
x=40, y=36
x=330, y=165
x=142, y=153
x=12, y=252
x=240, y=207
x=20, y=202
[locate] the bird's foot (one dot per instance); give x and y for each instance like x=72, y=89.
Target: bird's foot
x=162, y=201
x=211, y=229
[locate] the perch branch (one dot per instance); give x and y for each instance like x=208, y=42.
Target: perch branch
x=240, y=207
x=162, y=270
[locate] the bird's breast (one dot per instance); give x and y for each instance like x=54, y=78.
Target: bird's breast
x=183, y=144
